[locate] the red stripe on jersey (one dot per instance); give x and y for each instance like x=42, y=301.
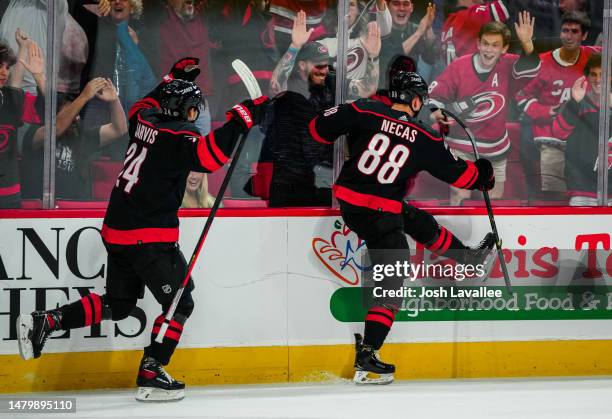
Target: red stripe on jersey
x=205, y=154
x=87, y=309
x=10, y=190
x=146, y=103
x=468, y=177
x=399, y=122
x=374, y=202
x=314, y=134
x=140, y=235
x=217, y=153
x=499, y=11
x=372, y=317
x=438, y=243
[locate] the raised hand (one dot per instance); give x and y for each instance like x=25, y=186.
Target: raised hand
x=372, y=42
x=426, y=21
x=299, y=33
x=524, y=30
x=579, y=89
x=93, y=87
x=35, y=63
x=22, y=38
x=104, y=8
x=108, y=93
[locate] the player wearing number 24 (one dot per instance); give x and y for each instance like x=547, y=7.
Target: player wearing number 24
x=140, y=230
x=387, y=147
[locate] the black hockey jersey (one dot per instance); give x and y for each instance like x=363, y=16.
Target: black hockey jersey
x=386, y=149
x=149, y=190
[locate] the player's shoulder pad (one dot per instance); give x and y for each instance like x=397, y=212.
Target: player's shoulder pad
x=177, y=128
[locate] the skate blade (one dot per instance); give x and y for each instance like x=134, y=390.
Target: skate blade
x=153, y=394
x=367, y=377
x=24, y=331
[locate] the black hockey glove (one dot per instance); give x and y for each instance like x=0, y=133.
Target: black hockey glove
x=187, y=68
x=486, y=176
x=248, y=113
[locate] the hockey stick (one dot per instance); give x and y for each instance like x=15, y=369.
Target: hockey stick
x=487, y=200
x=254, y=91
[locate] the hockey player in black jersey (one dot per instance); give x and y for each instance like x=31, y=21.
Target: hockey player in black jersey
x=420, y=224
x=388, y=146
x=140, y=230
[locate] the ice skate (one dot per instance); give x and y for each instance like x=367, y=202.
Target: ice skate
x=155, y=384
x=483, y=254
x=34, y=329
x=369, y=369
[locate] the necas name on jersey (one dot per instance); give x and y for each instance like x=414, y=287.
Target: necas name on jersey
x=146, y=133
x=402, y=131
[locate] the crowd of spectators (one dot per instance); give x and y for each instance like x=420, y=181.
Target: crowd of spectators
x=524, y=74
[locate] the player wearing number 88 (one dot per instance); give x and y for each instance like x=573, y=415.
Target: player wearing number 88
x=387, y=147
x=140, y=230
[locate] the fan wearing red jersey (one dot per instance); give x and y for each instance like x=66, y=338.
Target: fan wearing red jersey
x=542, y=98
x=460, y=29
x=387, y=147
x=140, y=230
x=478, y=88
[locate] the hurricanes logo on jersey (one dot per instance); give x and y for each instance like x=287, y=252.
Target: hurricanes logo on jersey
x=354, y=58
x=487, y=105
x=5, y=134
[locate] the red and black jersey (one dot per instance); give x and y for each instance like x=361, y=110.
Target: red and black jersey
x=490, y=92
x=11, y=111
x=149, y=190
x=386, y=149
x=551, y=88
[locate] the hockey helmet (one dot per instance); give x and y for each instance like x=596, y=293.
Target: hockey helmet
x=405, y=85
x=178, y=96
x=400, y=63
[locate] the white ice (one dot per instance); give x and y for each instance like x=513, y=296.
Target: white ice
x=579, y=398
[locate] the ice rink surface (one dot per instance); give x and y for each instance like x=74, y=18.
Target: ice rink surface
x=578, y=398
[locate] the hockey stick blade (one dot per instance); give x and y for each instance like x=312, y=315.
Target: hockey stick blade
x=485, y=194
x=247, y=77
